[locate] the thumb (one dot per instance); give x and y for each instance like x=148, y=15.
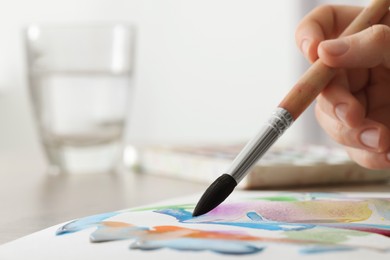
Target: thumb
x=365, y=49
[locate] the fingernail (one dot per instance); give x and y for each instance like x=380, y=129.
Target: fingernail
x=341, y=112
x=370, y=138
x=305, y=47
x=335, y=47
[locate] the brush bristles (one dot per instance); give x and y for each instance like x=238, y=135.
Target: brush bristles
x=218, y=191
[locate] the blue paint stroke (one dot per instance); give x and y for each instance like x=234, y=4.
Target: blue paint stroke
x=184, y=216
x=83, y=223
x=324, y=249
x=180, y=215
x=271, y=226
x=231, y=247
x=254, y=216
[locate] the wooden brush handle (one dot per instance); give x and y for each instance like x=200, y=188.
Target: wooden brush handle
x=318, y=76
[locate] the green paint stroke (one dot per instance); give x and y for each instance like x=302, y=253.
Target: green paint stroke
x=299, y=196
x=277, y=198
x=152, y=208
x=324, y=235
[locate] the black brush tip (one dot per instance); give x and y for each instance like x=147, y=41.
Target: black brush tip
x=218, y=191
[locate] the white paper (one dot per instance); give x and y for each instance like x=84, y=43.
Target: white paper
x=248, y=225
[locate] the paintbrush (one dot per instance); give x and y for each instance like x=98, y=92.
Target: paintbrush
x=295, y=102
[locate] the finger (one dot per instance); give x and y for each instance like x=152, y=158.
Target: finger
x=365, y=49
x=358, y=79
x=386, y=19
x=338, y=102
x=324, y=22
x=369, y=159
x=370, y=135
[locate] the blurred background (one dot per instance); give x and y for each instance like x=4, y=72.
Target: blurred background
x=207, y=71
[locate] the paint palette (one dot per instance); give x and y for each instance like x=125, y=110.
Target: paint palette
x=250, y=224
x=305, y=165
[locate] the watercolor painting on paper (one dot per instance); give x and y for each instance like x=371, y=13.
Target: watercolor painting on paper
x=251, y=224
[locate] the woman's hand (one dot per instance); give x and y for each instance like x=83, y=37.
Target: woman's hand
x=354, y=109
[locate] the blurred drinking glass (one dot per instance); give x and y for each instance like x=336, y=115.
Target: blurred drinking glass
x=80, y=79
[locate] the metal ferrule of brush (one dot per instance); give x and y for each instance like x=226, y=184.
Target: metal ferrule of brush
x=280, y=120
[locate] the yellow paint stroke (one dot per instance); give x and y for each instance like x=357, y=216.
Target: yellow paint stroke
x=340, y=211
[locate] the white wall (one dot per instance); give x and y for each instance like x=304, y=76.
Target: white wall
x=210, y=70
x=206, y=70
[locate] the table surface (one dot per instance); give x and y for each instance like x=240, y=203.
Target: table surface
x=32, y=200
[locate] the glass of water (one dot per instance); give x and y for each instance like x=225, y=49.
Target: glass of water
x=80, y=80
